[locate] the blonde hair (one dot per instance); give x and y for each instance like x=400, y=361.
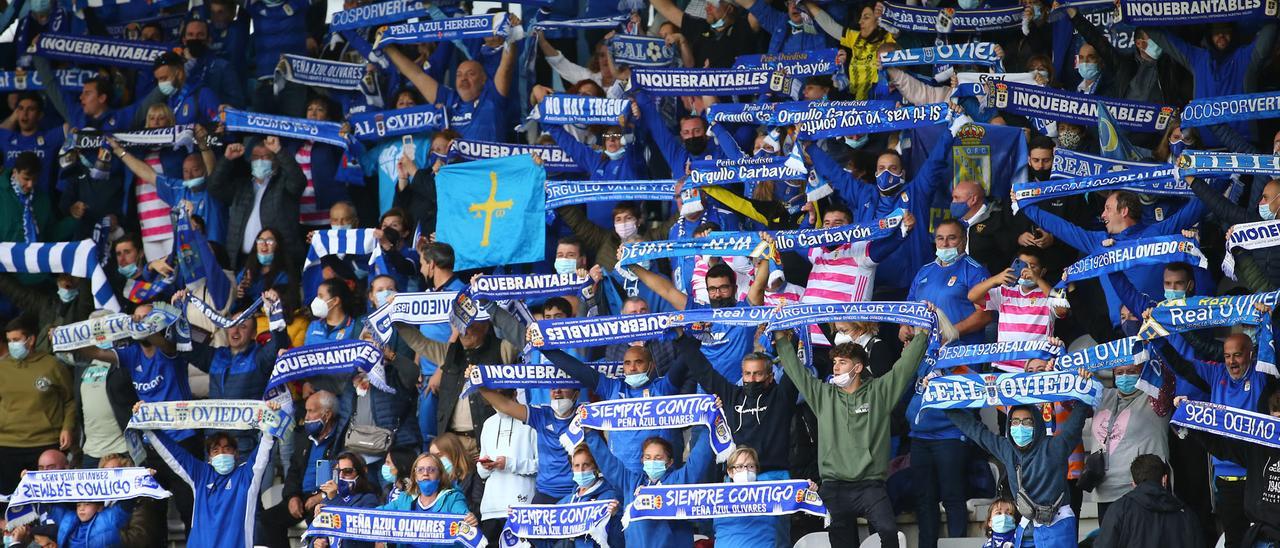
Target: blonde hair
x=451, y=445
x=740, y=451
x=445, y=481
x=162, y=109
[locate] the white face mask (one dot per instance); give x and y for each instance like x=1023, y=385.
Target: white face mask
x=842, y=380
x=319, y=308
x=743, y=476
x=562, y=406
x=361, y=392
x=843, y=338
x=625, y=229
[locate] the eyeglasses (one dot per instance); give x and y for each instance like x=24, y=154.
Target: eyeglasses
x=348, y=471
x=742, y=468
x=426, y=470
x=270, y=241
x=613, y=136
x=1022, y=422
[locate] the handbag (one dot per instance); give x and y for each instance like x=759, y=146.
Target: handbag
x=368, y=439
x=1095, y=463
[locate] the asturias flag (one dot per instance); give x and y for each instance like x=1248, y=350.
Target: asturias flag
x=493, y=212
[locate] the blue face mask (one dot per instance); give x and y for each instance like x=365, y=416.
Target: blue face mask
x=1176, y=148
x=192, y=183
x=719, y=24
x=615, y=154
x=1174, y=294
x=1024, y=282
x=855, y=142
x=968, y=4
x=565, y=265
x=447, y=465
x=959, y=209
x=1264, y=211
x=261, y=168
x=223, y=463
x=67, y=295
x=380, y=298
x=947, y=255
x=636, y=380
x=584, y=479
x=887, y=182
x=1126, y=384
x=313, y=427
x=1153, y=49
x=166, y=87
x=1036, y=11
x=1002, y=523
x=38, y=6
x=1022, y=434
x=128, y=271
x=18, y=350
x=345, y=486
x=428, y=487
x=388, y=476
x=265, y=259
x=655, y=469
x=1088, y=71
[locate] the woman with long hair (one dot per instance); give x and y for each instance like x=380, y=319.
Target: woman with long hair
x=458, y=464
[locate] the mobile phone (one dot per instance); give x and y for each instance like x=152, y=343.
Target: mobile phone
x=409, y=147
x=1017, y=266
x=324, y=471
x=484, y=460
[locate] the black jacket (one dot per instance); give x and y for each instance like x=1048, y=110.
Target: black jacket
x=761, y=421
x=1149, y=516
x=992, y=241
x=1261, y=490
x=302, y=445
x=453, y=379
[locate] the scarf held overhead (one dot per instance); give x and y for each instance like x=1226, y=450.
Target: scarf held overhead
x=557, y=521
x=1230, y=422
x=284, y=126
x=100, y=485
x=1076, y=108
x=874, y=120
x=949, y=20
x=394, y=526
x=79, y=259
x=214, y=414
x=655, y=413
x=1249, y=236
x=974, y=391
x=1158, y=250
x=725, y=500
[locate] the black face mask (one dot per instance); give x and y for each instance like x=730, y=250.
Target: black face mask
x=1038, y=174
x=696, y=145
x=724, y=302
x=752, y=389
x=197, y=48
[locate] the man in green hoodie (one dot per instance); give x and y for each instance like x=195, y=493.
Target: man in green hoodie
x=853, y=430
x=26, y=213
x=37, y=404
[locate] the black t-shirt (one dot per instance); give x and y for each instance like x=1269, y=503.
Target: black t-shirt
x=720, y=48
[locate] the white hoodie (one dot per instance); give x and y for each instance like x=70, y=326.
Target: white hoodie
x=503, y=436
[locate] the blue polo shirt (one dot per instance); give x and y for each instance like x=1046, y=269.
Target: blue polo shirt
x=45, y=143
x=947, y=287
x=727, y=345
x=555, y=475
x=482, y=119
x=319, y=332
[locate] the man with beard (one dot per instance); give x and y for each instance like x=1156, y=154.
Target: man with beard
x=726, y=344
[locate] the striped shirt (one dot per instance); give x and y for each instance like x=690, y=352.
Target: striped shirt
x=862, y=62
x=742, y=267
x=1024, y=316
x=843, y=275
x=308, y=214
x=152, y=211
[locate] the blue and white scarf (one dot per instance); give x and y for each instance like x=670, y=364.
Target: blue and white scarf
x=801, y=315
x=170, y=25
x=702, y=81
x=563, y=193
x=1108, y=355
x=378, y=13
x=787, y=113
x=1157, y=250
x=1160, y=180
x=1195, y=162
x=91, y=485
x=92, y=50
x=30, y=231
x=1229, y=422
x=562, y=109
x=1076, y=108
x=468, y=27
x=345, y=241
x=525, y=376
x=215, y=317
x=93, y=331
x=729, y=315
x=284, y=126
x=215, y=414
x=557, y=521
x=969, y=53
x=799, y=64
x=1231, y=108
x=969, y=354
x=875, y=120
x=948, y=20
x=798, y=240
x=1072, y=164
x=79, y=259
x=1250, y=236
x=641, y=51
x=323, y=73
x=393, y=526
x=377, y=125
x=1141, y=13
x=610, y=22
x=725, y=500
x=71, y=79
x=553, y=157
x=742, y=170
x=720, y=244
x=974, y=391
x=413, y=309
x=466, y=307
x=598, y=331
x=1179, y=315
x=654, y=413
x=173, y=136
x=333, y=358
